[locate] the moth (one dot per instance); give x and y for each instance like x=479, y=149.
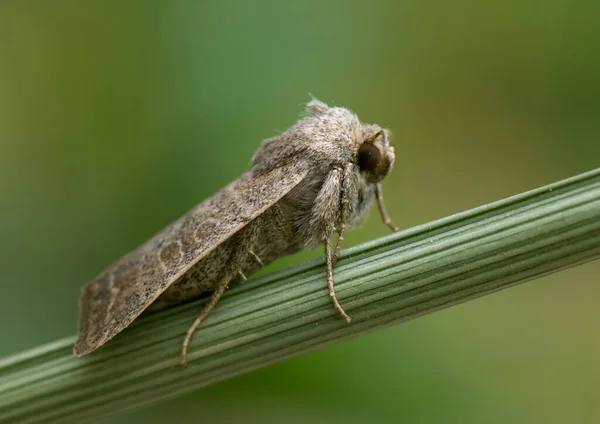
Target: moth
x=318, y=178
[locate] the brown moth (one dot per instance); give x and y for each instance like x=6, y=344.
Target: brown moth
x=318, y=178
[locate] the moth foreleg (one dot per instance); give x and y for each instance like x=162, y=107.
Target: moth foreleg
x=382, y=211
x=338, y=246
x=344, y=211
x=332, y=296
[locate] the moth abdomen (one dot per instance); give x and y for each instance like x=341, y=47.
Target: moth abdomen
x=257, y=244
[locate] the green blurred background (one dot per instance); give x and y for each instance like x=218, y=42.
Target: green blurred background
x=116, y=117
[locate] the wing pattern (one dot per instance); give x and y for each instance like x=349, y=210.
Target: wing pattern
x=112, y=300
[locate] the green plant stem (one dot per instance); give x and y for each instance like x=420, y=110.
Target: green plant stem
x=288, y=313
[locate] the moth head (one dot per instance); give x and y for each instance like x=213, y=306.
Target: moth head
x=374, y=156
x=367, y=145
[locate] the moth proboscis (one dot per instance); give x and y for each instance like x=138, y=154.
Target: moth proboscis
x=318, y=178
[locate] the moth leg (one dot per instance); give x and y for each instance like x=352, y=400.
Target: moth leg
x=382, y=211
x=338, y=247
x=256, y=258
x=212, y=302
x=332, y=295
x=344, y=211
x=345, y=205
x=246, y=239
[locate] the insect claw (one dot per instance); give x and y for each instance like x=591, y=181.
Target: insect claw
x=183, y=360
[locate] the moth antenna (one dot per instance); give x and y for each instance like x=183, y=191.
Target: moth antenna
x=374, y=137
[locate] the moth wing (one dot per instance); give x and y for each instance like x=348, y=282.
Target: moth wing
x=111, y=301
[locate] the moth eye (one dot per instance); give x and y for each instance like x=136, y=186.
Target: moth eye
x=368, y=157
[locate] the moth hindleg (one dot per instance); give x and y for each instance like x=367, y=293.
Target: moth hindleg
x=239, y=252
x=382, y=211
x=212, y=302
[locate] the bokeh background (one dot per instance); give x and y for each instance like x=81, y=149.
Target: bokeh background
x=117, y=117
